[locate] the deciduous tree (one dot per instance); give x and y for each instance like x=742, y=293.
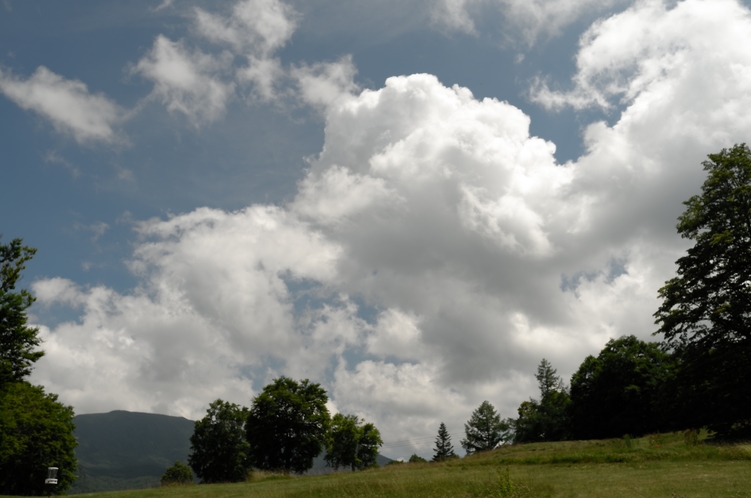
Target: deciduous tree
x=705, y=316
x=219, y=451
x=617, y=392
x=36, y=432
x=352, y=443
x=288, y=425
x=179, y=473
x=18, y=341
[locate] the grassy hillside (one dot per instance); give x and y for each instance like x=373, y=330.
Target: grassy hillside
x=653, y=466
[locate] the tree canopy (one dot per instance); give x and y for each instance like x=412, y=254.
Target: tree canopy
x=178, y=474
x=219, y=451
x=705, y=316
x=352, y=443
x=36, y=432
x=616, y=392
x=546, y=419
x=484, y=430
x=288, y=425
x=18, y=341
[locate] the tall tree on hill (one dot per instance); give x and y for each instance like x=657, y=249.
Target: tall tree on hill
x=443, y=448
x=288, y=425
x=705, y=315
x=219, y=451
x=546, y=419
x=352, y=443
x=484, y=430
x=36, y=431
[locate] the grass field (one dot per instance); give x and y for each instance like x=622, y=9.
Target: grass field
x=661, y=466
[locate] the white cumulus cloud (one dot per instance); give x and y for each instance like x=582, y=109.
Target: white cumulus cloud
x=434, y=253
x=188, y=82
x=67, y=104
x=525, y=20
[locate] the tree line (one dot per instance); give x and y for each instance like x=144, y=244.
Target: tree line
x=697, y=376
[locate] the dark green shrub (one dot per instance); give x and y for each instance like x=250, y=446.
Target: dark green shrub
x=178, y=474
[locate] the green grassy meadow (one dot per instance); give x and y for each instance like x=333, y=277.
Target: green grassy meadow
x=661, y=465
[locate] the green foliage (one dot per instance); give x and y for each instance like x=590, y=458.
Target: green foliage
x=619, y=391
x=547, y=419
x=351, y=443
x=177, y=474
x=627, y=440
x=288, y=425
x=415, y=458
x=505, y=486
x=219, y=451
x=37, y=432
x=443, y=448
x=705, y=315
x=368, y=444
x=17, y=340
x=691, y=437
x=484, y=430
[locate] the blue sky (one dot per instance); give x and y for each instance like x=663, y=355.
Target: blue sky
x=410, y=202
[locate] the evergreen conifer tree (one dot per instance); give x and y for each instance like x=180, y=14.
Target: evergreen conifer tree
x=484, y=430
x=443, y=447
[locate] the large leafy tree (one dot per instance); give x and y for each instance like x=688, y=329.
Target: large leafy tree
x=618, y=391
x=219, y=451
x=288, y=425
x=546, y=419
x=36, y=432
x=484, y=430
x=352, y=443
x=443, y=448
x=18, y=341
x=705, y=315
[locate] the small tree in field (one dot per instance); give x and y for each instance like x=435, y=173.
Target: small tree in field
x=177, y=474
x=484, y=430
x=443, y=448
x=352, y=443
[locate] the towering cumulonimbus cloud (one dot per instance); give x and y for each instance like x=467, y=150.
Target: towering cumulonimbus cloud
x=435, y=251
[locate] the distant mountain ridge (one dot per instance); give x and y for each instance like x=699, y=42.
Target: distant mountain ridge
x=131, y=450
x=128, y=450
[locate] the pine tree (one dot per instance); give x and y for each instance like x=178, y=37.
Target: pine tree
x=443, y=447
